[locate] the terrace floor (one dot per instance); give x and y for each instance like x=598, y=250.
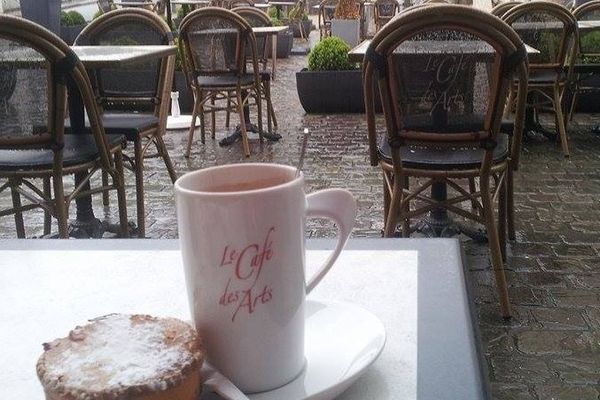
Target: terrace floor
x=551, y=348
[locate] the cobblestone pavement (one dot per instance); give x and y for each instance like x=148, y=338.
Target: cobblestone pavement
x=551, y=348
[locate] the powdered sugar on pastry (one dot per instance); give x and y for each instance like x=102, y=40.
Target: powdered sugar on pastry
x=120, y=354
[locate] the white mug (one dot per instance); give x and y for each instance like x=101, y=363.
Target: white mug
x=241, y=230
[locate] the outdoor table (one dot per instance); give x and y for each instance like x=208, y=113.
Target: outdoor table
x=141, y=4
x=271, y=31
x=194, y=3
x=416, y=287
x=438, y=221
x=92, y=57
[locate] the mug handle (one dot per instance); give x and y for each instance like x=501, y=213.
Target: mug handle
x=339, y=206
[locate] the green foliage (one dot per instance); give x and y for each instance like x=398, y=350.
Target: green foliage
x=178, y=58
x=71, y=18
x=330, y=54
x=272, y=12
x=97, y=14
x=590, y=44
x=276, y=22
x=184, y=10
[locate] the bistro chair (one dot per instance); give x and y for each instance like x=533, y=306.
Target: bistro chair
x=240, y=3
x=326, y=13
x=588, y=59
x=257, y=18
x=105, y=5
x=551, y=29
x=502, y=8
x=135, y=98
x=213, y=43
x=33, y=145
x=384, y=12
x=435, y=134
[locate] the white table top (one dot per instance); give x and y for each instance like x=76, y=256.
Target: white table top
x=269, y=29
x=96, y=56
x=415, y=286
x=427, y=47
x=190, y=1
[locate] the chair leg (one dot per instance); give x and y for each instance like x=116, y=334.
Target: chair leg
x=240, y=106
x=60, y=205
x=561, y=122
x=386, y=201
x=162, y=151
x=193, y=127
x=47, y=215
x=121, y=200
x=405, y=210
x=105, y=198
x=392, y=216
x=259, y=111
x=16, y=202
x=473, y=189
x=228, y=112
x=213, y=120
x=139, y=188
x=502, y=219
x=494, y=243
x=267, y=89
x=510, y=204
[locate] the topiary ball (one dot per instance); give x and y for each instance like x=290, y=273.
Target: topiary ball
x=330, y=54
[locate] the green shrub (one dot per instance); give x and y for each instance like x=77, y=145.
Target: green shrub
x=331, y=54
x=590, y=43
x=276, y=22
x=272, y=12
x=71, y=18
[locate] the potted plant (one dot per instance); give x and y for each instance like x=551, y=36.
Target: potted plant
x=332, y=83
x=588, y=98
x=346, y=21
x=285, y=40
x=297, y=17
x=71, y=24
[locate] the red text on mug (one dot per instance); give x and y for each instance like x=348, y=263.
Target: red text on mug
x=245, y=265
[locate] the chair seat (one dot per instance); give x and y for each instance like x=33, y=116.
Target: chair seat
x=265, y=75
x=129, y=125
x=218, y=81
x=79, y=149
x=545, y=76
x=431, y=156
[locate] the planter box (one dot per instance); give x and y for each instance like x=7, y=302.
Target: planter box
x=347, y=29
x=186, y=98
x=588, y=101
x=45, y=13
x=285, y=41
x=70, y=33
x=329, y=92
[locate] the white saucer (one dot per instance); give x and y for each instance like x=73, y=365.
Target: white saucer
x=341, y=341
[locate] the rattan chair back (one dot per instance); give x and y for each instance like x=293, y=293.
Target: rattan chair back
x=589, y=41
x=137, y=87
x=41, y=48
x=428, y=99
x=502, y=8
x=240, y=3
x=548, y=27
x=385, y=10
x=256, y=18
x=213, y=41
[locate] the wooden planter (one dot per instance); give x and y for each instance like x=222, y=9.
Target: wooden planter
x=330, y=92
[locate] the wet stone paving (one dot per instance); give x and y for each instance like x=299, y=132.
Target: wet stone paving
x=551, y=348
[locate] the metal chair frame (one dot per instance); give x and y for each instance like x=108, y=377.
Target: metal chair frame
x=206, y=97
x=380, y=68
x=52, y=197
x=552, y=93
x=151, y=137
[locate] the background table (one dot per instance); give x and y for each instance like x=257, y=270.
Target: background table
x=415, y=286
